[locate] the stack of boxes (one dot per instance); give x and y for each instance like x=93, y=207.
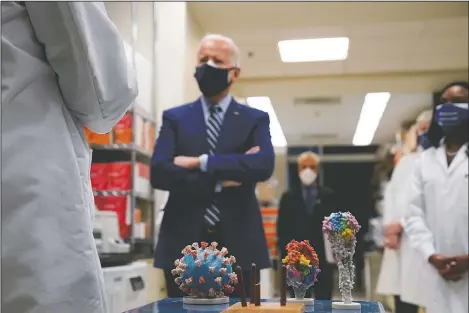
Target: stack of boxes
x=112, y=181
x=267, y=196
x=122, y=133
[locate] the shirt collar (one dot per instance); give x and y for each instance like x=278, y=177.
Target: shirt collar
x=313, y=186
x=223, y=104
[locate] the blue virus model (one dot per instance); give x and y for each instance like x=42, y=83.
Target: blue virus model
x=205, y=272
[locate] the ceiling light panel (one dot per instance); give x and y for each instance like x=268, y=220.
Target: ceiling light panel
x=276, y=132
x=372, y=110
x=314, y=50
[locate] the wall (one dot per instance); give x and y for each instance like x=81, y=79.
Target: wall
x=280, y=170
x=194, y=35
x=120, y=14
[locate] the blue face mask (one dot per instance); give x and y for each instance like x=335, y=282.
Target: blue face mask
x=212, y=80
x=451, y=117
x=423, y=141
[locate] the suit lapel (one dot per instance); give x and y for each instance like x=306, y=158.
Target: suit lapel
x=228, y=128
x=197, y=120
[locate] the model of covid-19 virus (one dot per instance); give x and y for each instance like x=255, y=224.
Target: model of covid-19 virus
x=205, y=272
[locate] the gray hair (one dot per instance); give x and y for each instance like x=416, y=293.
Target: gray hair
x=235, y=53
x=425, y=117
x=308, y=155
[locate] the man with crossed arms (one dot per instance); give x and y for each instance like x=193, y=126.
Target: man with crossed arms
x=210, y=154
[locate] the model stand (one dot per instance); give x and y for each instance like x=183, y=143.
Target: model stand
x=341, y=229
x=205, y=274
x=195, y=308
x=255, y=305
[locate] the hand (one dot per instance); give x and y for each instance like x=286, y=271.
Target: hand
x=392, y=241
x=231, y=183
x=187, y=162
x=445, y=267
x=253, y=150
x=393, y=229
x=459, y=264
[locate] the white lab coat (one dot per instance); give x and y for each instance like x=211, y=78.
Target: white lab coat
x=437, y=222
x=403, y=270
x=63, y=67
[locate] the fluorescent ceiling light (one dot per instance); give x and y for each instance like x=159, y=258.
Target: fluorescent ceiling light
x=314, y=50
x=370, y=116
x=264, y=104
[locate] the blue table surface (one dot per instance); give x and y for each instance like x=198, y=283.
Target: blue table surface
x=175, y=305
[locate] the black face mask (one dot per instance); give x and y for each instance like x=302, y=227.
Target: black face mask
x=212, y=81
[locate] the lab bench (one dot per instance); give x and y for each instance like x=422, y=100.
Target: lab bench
x=175, y=305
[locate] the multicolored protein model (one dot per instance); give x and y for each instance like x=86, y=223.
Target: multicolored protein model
x=205, y=272
x=341, y=229
x=302, y=264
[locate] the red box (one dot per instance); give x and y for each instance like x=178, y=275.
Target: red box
x=99, y=174
x=98, y=201
x=120, y=205
x=143, y=171
x=123, y=130
x=120, y=176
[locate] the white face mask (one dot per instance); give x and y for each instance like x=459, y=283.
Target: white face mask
x=308, y=176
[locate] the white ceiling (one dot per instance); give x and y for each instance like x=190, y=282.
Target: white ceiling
x=407, y=48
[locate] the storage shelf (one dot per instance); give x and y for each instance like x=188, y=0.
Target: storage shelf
x=136, y=194
x=115, y=259
x=122, y=147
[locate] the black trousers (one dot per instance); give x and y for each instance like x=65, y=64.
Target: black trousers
x=209, y=234
x=403, y=307
x=322, y=289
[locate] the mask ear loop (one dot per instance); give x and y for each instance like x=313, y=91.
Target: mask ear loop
x=228, y=74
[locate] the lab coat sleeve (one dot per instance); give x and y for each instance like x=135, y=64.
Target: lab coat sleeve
x=388, y=202
x=420, y=237
x=165, y=175
x=86, y=52
x=393, y=212
x=247, y=168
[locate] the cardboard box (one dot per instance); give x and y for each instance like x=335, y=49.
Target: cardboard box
x=123, y=130
x=99, y=174
x=150, y=130
x=97, y=139
x=120, y=205
x=140, y=132
x=142, y=179
x=140, y=230
x=120, y=176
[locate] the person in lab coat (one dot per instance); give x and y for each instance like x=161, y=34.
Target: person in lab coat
x=437, y=220
x=63, y=67
x=402, y=269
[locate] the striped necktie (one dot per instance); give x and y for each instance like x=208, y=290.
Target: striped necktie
x=212, y=214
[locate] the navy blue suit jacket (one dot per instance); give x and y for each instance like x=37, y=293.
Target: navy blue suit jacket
x=183, y=132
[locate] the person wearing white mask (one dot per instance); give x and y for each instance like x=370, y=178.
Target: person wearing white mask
x=403, y=270
x=437, y=219
x=301, y=212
